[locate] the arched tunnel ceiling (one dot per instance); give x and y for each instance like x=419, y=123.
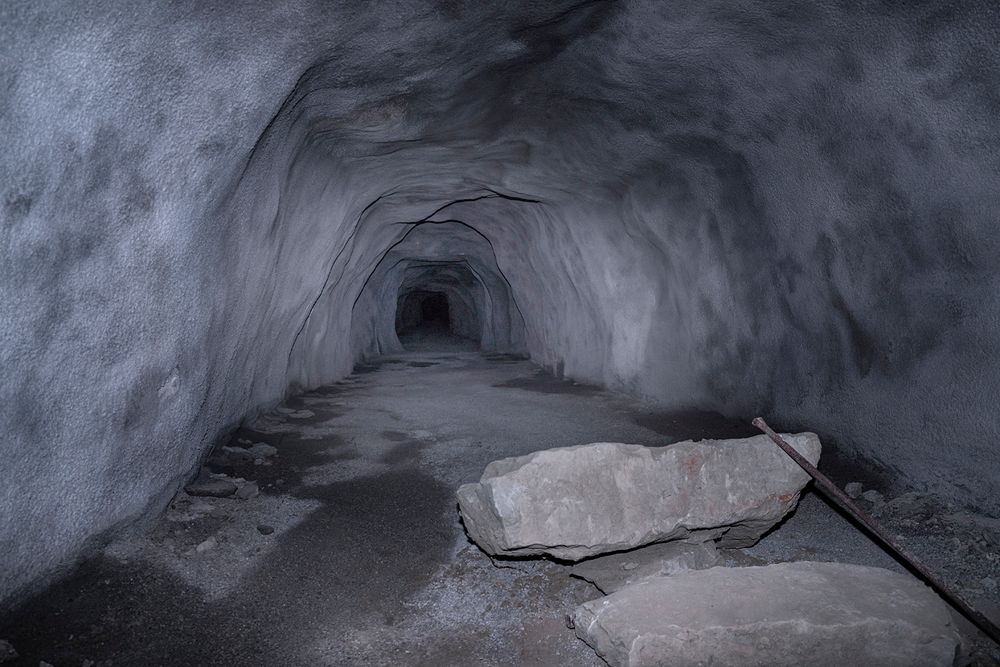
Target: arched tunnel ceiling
x=786, y=207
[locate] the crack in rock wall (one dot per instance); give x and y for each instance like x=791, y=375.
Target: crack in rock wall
x=782, y=207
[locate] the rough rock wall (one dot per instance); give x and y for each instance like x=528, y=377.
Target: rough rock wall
x=788, y=207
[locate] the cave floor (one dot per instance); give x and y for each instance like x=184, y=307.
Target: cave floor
x=353, y=552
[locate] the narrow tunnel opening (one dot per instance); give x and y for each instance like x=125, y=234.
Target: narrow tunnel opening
x=440, y=278
x=423, y=309
x=434, y=310
x=425, y=320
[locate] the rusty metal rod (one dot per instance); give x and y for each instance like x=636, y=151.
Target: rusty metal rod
x=830, y=489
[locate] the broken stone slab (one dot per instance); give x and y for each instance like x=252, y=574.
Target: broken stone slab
x=211, y=485
x=576, y=502
x=615, y=571
x=780, y=615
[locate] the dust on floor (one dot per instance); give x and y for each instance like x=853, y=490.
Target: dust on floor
x=347, y=548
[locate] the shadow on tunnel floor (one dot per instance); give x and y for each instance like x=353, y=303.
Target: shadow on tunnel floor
x=428, y=338
x=323, y=577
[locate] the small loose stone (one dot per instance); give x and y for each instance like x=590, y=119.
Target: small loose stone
x=207, y=545
x=248, y=491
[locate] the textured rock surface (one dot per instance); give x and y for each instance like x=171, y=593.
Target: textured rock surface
x=575, y=502
x=614, y=571
x=211, y=486
x=725, y=204
x=789, y=614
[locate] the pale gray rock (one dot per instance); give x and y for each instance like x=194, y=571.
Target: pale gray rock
x=789, y=614
x=248, y=491
x=615, y=571
x=208, y=485
x=853, y=489
x=207, y=545
x=874, y=497
x=576, y=502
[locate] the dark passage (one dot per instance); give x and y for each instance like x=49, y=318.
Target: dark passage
x=423, y=309
x=425, y=320
x=435, y=310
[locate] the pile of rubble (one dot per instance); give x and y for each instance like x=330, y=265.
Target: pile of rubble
x=644, y=525
x=220, y=485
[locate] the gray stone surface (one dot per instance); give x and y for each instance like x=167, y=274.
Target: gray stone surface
x=615, y=571
x=575, y=502
x=874, y=497
x=263, y=450
x=207, y=544
x=724, y=204
x=784, y=615
x=211, y=486
x=247, y=491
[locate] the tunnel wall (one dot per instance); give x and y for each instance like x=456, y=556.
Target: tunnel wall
x=786, y=208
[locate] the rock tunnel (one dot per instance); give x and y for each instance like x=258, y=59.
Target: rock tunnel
x=786, y=209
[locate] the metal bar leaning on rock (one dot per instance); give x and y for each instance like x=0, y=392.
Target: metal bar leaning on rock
x=831, y=490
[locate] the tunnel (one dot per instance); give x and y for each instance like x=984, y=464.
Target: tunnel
x=421, y=308
x=673, y=215
x=426, y=315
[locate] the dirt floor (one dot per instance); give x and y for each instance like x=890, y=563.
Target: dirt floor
x=346, y=546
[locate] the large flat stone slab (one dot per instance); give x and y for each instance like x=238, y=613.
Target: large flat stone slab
x=615, y=571
x=576, y=502
x=213, y=486
x=789, y=614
